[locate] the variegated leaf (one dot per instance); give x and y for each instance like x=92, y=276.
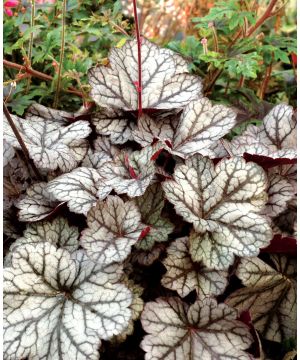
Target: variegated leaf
x=57, y=232
x=8, y=153
x=203, y=331
x=78, y=188
x=223, y=204
x=198, y=129
x=113, y=227
x=280, y=192
x=183, y=275
x=128, y=174
x=50, y=144
x=201, y=124
x=37, y=112
x=166, y=83
x=115, y=123
x=58, y=308
x=147, y=257
x=269, y=294
x=150, y=205
x=275, y=138
x=37, y=204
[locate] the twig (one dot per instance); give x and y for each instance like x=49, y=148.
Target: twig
x=20, y=141
x=138, y=38
x=37, y=74
x=61, y=56
x=267, y=14
x=119, y=28
x=29, y=55
x=266, y=80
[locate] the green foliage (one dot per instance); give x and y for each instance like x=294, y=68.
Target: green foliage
x=91, y=30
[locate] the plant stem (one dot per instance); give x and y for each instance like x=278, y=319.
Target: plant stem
x=37, y=74
x=138, y=39
x=266, y=80
x=30, y=41
x=267, y=14
x=61, y=56
x=20, y=140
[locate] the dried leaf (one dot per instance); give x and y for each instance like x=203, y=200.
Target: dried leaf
x=166, y=83
x=203, y=331
x=270, y=295
x=113, y=227
x=78, y=188
x=222, y=203
x=50, y=144
x=37, y=204
x=56, y=307
x=150, y=205
x=183, y=275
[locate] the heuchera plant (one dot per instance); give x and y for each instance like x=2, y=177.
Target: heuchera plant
x=148, y=181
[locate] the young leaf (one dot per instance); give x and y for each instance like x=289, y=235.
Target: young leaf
x=128, y=174
x=51, y=145
x=115, y=123
x=78, y=188
x=166, y=83
x=275, y=138
x=37, y=204
x=270, y=295
x=203, y=331
x=147, y=257
x=222, y=203
x=183, y=275
x=56, y=307
x=113, y=227
x=150, y=205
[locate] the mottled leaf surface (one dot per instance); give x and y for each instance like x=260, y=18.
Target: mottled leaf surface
x=166, y=83
x=269, y=294
x=183, y=275
x=78, y=188
x=203, y=331
x=8, y=153
x=56, y=307
x=150, y=205
x=50, y=144
x=113, y=227
x=223, y=203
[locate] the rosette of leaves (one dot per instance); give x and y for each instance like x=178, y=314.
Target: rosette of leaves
x=223, y=203
x=58, y=306
x=166, y=83
x=269, y=294
x=205, y=330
